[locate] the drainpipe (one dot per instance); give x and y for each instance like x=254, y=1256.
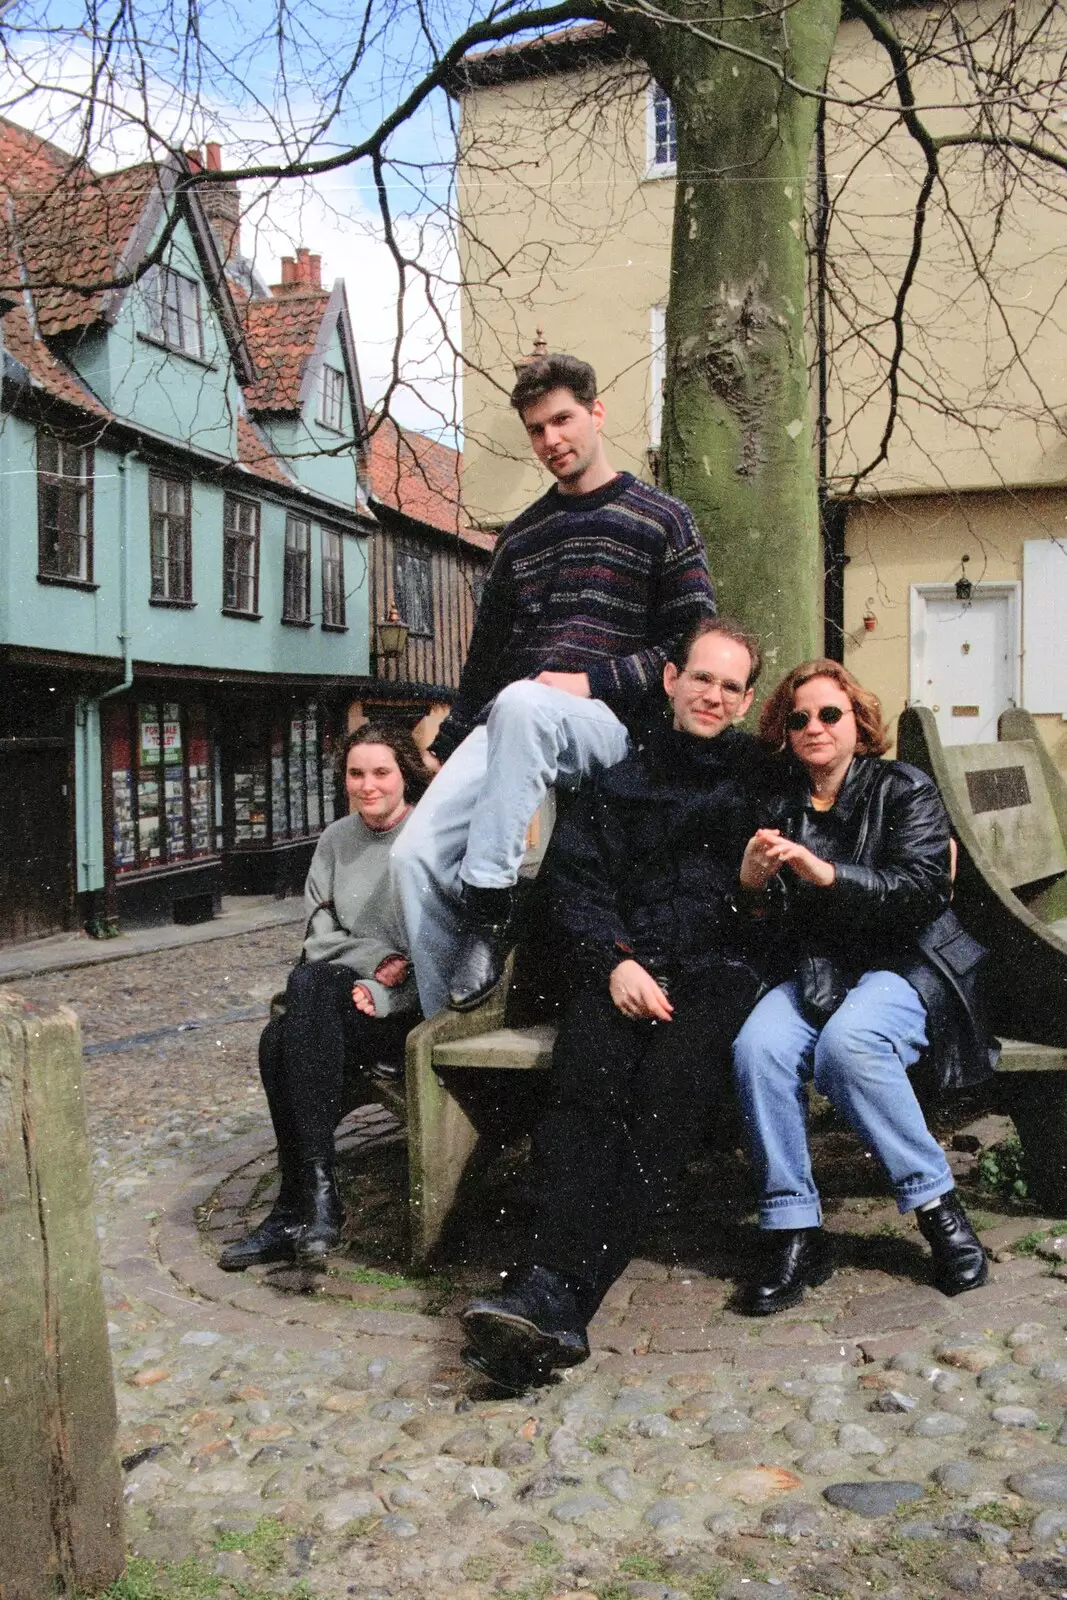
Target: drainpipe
x=87, y=712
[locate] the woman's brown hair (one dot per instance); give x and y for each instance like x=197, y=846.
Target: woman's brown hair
x=413, y=770
x=872, y=735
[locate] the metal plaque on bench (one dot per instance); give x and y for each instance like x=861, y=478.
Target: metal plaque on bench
x=1003, y=788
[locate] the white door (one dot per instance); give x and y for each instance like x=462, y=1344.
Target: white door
x=965, y=658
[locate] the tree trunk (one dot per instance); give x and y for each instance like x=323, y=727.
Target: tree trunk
x=736, y=419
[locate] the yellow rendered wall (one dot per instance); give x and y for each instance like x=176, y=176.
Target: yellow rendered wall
x=907, y=540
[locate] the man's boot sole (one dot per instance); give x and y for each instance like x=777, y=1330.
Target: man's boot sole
x=509, y=1380
x=507, y=1339
x=812, y=1280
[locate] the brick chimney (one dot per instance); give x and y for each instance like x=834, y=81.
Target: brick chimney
x=300, y=274
x=221, y=203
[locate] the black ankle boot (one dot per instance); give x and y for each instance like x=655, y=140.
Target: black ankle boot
x=800, y=1259
x=321, y=1213
x=487, y=925
x=529, y=1329
x=273, y=1240
x=960, y=1261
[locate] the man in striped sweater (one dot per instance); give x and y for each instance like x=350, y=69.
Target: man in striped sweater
x=587, y=591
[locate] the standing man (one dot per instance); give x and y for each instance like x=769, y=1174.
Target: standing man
x=642, y=879
x=588, y=590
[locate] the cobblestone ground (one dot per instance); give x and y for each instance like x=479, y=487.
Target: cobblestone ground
x=317, y=1436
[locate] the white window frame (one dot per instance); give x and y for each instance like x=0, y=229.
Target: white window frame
x=332, y=399
x=174, y=310
x=297, y=558
x=657, y=167
x=240, y=556
x=333, y=579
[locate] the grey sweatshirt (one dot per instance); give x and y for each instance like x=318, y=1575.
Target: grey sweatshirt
x=353, y=919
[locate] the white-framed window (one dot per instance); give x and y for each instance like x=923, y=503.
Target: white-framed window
x=64, y=509
x=173, y=303
x=657, y=373
x=240, y=556
x=332, y=399
x=297, y=592
x=333, y=579
x=662, y=133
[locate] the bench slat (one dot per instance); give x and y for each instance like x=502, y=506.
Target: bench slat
x=511, y=1049
x=1019, y=1056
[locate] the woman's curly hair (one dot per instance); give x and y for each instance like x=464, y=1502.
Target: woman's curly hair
x=872, y=735
x=408, y=756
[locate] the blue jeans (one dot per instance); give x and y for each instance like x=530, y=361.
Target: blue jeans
x=860, y=1062
x=470, y=825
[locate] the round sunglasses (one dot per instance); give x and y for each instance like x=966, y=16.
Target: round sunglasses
x=797, y=721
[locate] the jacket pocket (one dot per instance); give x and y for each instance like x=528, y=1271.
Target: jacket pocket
x=958, y=951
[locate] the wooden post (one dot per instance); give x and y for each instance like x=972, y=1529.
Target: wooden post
x=60, y=1482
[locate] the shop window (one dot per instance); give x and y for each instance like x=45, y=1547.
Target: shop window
x=173, y=303
x=297, y=588
x=171, y=539
x=240, y=556
x=64, y=509
x=161, y=784
x=413, y=587
x=332, y=399
x=283, y=780
x=333, y=579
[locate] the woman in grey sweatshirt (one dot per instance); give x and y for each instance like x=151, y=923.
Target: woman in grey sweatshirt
x=349, y=1003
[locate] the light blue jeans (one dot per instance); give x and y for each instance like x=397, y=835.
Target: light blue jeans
x=860, y=1062
x=470, y=825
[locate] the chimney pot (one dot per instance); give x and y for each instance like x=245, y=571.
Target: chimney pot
x=214, y=157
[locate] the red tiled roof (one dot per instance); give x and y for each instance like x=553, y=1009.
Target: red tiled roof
x=281, y=335
x=49, y=374
x=71, y=225
x=423, y=479
x=254, y=453
x=578, y=34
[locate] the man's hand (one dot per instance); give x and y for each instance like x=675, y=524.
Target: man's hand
x=570, y=682
x=363, y=1000
x=637, y=994
x=768, y=851
x=431, y=763
x=392, y=971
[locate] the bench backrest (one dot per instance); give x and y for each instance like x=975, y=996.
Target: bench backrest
x=1002, y=789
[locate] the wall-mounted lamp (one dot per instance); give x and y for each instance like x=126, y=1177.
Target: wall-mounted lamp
x=964, y=586
x=870, y=621
x=392, y=633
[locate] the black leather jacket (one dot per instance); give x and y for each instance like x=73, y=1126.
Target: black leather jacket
x=645, y=862
x=889, y=908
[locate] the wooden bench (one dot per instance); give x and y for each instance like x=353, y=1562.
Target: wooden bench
x=1007, y=803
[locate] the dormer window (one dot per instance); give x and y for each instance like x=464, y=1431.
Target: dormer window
x=332, y=399
x=173, y=302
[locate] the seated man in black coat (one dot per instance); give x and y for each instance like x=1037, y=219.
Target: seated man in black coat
x=642, y=876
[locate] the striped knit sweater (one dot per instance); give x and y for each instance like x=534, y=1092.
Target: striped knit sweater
x=599, y=583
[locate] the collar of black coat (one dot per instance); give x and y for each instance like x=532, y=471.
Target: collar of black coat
x=861, y=775
x=668, y=751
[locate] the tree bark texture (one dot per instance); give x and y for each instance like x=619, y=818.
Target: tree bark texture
x=60, y=1482
x=737, y=434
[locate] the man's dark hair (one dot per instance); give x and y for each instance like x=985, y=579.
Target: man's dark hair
x=554, y=372
x=730, y=629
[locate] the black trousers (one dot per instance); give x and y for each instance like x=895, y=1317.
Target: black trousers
x=629, y=1100
x=309, y=1058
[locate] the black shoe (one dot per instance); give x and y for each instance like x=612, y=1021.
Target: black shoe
x=321, y=1213
x=273, y=1240
x=487, y=924
x=514, y=1379
x=960, y=1262
x=536, y=1325
x=801, y=1260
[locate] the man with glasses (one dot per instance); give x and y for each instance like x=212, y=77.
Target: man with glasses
x=641, y=879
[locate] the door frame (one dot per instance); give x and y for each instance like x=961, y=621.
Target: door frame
x=919, y=594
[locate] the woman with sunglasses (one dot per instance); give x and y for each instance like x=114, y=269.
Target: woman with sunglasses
x=851, y=881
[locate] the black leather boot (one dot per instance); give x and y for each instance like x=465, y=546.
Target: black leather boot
x=800, y=1258
x=519, y=1336
x=960, y=1262
x=273, y=1240
x=487, y=925
x=321, y=1213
